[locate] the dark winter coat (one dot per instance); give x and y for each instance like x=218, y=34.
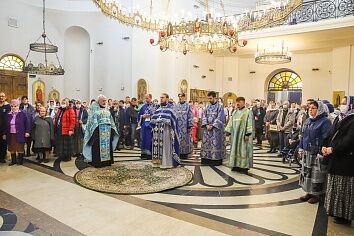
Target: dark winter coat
x=315, y=132
x=341, y=162
x=22, y=126
x=42, y=132
x=259, y=113
x=4, y=110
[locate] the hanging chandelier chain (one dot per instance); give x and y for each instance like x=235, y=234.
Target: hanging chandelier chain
x=45, y=48
x=150, y=9
x=223, y=8
x=168, y=6
x=207, y=6
x=56, y=55
x=44, y=36
x=44, y=16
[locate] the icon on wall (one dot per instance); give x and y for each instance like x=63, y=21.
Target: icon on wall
x=184, y=87
x=54, y=95
x=142, y=89
x=337, y=97
x=38, y=91
x=229, y=98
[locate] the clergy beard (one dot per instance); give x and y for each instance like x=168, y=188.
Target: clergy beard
x=163, y=104
x=182, y=102
x=241, y=108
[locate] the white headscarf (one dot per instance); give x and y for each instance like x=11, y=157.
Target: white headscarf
x=321, y=109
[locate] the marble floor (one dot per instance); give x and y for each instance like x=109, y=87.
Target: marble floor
x=43, y=199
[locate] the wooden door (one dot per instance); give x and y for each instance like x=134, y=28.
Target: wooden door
x=13, y=83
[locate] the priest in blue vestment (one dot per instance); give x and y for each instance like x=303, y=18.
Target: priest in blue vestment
x=101, y=136
x=213, y=142
x=145, y=113
x=185, y=124
x=165, y=143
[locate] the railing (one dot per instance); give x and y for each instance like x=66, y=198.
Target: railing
x=312, y=11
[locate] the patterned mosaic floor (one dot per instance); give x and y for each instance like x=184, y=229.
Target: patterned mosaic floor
x=263, y=202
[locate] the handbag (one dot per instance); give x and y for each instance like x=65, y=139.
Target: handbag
x=273, y=128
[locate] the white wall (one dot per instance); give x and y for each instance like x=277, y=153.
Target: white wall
x=114, y=67
x=164, y=71
x=343, y=69
x=110, y=64
x=316, y=84
x=77, y=63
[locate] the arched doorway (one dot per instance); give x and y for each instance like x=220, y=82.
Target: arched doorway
x=14, y=82
x=141, y=89
x=284, y=85
x=229, y=98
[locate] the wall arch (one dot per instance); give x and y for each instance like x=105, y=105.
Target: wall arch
x=77, y=63
x=271, y=75
x=11, y=61
x=284, y=84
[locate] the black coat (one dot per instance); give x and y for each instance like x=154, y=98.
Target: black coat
x=120, y=119
x=4, y=110
x=341, y=162
x=131, y=116
x=260, y=114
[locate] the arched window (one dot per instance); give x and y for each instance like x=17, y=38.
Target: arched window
x=11, y=62
x=285, y=81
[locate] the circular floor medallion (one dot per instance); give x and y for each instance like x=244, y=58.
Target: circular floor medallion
x=132, y=178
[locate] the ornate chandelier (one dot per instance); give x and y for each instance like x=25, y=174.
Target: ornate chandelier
x=206, y=35
x=201, y=35
x=251, y=20
x=45, y=48
x=273, y=56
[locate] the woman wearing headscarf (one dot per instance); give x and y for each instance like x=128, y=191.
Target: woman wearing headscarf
x=65, y=121
x=339, y=150
x=18, y=128
x=316, y=129
x=42, y=135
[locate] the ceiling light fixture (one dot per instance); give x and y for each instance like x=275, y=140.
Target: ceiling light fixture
x=273, y=56
x=199, y=35
x=46, y=48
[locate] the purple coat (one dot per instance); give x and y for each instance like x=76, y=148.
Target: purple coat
x=22, y=126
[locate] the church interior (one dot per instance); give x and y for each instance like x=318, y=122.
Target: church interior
x=271, y=50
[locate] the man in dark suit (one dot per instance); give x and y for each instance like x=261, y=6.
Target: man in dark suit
x=258, y=114
x=118, y=114
x=132, y=121
x=5, y=108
